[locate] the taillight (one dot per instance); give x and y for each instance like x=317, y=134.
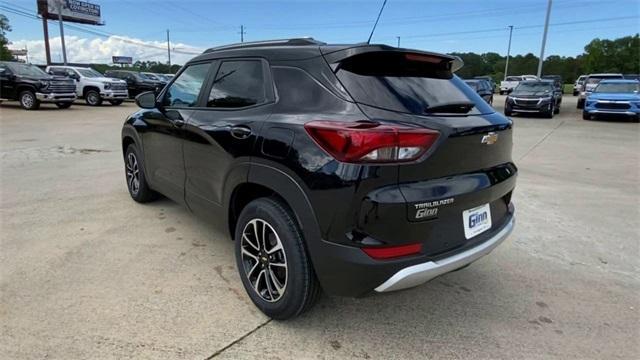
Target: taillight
x=363, y=142
x=390, y=252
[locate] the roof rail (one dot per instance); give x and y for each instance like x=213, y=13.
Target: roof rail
x=281, y=42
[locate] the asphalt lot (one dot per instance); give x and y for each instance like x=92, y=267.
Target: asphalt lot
x=88, y=273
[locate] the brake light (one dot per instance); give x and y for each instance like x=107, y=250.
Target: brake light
x=382, y=253
x=364, y=142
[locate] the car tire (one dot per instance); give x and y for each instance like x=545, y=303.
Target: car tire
x=277, y=273
x=575, y=93
x=580, y=104
x=116, y=102
x=501, y=92
x=556, y=110
x=586, y=115
x=28, y=100
x=64, y=105
x=136, y=180
x=92, y=98
x=491, y=100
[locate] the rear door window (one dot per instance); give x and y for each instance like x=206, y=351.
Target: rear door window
x=397, y=82
x=238, y=84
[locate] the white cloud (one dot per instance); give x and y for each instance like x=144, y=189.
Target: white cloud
x=100, y=50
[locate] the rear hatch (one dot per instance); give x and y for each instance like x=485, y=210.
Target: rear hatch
x=471, y=159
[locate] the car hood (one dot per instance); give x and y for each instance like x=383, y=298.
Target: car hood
x=107, y=79
x=615, y=96
x=46, y=78
x=531, y=95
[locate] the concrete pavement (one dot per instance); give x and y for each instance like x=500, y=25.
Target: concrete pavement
x=85, y=272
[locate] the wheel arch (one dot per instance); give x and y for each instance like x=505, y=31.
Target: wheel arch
x=267, y=181
x=24, y=87
x=86, y=89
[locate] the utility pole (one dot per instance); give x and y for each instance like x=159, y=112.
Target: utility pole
x=242, y=32
x=64, y=50
x=45, y=29
x=168, y=49
x=506, y=66
x=544, y=38
x=398, y=37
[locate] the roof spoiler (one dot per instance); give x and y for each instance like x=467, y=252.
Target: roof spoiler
x=334, y=56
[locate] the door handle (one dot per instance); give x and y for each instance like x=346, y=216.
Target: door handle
x=240, y=132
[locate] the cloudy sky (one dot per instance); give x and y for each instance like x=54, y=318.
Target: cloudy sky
x=137, y=28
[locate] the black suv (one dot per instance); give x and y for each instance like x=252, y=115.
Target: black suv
x=351, y=168
x=31, y=86
x=534, y=96
x=136, y=82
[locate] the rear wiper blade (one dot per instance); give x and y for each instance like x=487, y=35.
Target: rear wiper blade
x=459, y=107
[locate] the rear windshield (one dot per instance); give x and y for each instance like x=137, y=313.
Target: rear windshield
x=514, y=78
x=617, y=88
x=410, y=84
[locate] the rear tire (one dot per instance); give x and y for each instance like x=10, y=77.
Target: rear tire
x=586, y=115
x=135, y=177
x=64, y=105
x=116, y=102
x=28, y=100
x=580, y=104
x=557, y=110
x=92, y=97
x=272, y=260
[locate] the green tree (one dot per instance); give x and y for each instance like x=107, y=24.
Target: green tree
x=620, y=55
x=5, y=54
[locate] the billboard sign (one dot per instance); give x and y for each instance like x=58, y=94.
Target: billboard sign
x=71, y=10
x=18, y=52
x=122, y=59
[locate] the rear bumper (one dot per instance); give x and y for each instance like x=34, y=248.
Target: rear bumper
x=56, y=97
x=419, y=274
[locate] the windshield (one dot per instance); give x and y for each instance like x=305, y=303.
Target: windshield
x=90, y=73
x=26, y=70
x=533, y=89
x=513, y=78
x=617, y=88
x=597, y=79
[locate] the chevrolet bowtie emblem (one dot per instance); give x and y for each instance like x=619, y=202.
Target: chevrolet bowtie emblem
x=490, y=139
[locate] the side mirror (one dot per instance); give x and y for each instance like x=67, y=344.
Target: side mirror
x=146, y=100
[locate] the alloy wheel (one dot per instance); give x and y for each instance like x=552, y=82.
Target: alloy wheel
x=93, y=98
x=27, y=100
x=264, y=260
x=133, y=173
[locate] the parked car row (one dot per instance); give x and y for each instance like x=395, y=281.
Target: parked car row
x=31, y=85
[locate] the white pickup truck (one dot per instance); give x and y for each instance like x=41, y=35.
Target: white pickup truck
x=510, y=82
x=92, y=85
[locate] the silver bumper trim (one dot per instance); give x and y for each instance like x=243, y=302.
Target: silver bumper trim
x=612, y=111
x=56, y=97
x=419, y=274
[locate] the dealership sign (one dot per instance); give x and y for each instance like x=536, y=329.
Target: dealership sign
x=122, y=59
x=71, y=10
